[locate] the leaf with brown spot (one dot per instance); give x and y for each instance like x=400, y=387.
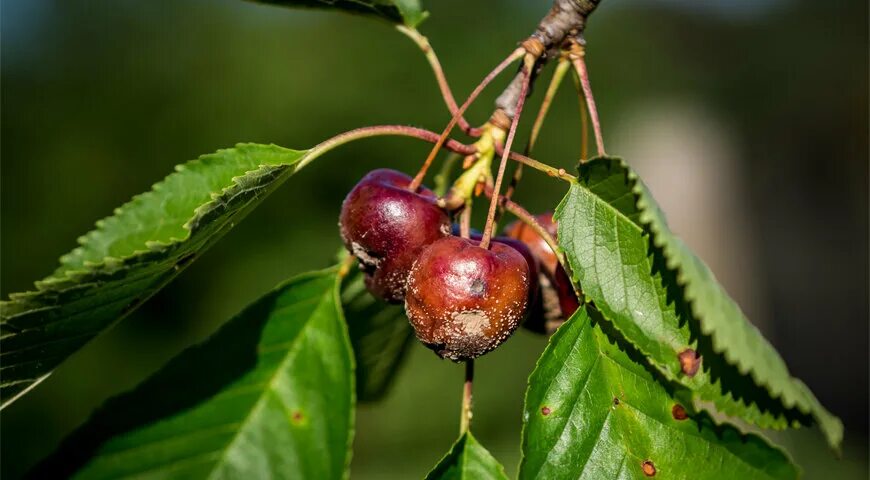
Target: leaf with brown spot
x=664, y=300
x=580, y=373
x=269, y=395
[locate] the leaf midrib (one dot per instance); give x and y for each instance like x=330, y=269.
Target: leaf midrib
x=269, y=385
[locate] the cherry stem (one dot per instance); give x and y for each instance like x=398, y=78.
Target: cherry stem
x=465, y=419
x=446, y=93
x=382, y=130
x=493, y=204
x=584, y=119
x=559, y=173
x=524, y=216
x=577, y=58
x=515, y=55
x=561, y=69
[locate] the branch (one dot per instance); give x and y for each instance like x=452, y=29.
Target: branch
x=565, y=21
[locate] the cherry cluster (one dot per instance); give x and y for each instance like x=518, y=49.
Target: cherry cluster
x=462, y=299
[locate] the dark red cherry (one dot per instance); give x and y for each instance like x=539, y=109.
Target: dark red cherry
x=534, y=267
x=464, y=300
x=386, y=226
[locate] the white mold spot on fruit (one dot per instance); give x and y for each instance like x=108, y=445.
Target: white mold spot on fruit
x=363, y=256
x=473, y=322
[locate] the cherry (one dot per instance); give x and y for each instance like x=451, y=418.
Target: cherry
x=523, y=249
x=464, y=300
x=386, y=226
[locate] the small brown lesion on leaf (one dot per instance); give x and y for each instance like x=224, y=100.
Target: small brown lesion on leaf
x=649, y=469
x=297, y=417
x=545, y=411
x=616, y=401
x=689, y=362
x=679, y=412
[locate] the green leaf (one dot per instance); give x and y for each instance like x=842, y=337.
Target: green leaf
x=631, y=283
x=131, y=255
x=270, y=395
x=594, y=411
x=408, y=12
x=722, y=321
x=380, y=334
x=467, y=459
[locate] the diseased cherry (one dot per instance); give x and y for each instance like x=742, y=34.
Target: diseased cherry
x=386, y=226
x=464, y=300
x=523, y=249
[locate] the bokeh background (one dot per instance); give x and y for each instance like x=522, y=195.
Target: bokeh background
x=748, y=118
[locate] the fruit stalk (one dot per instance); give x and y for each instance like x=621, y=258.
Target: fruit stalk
x=559, y=74
x=381, y=130
x=493, y=204
x=577, y=55
x=423, y=43
x=516, y=55
x=465, y=419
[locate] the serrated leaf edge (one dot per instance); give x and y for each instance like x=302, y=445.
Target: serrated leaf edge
x=807, y=403
x=73, y=277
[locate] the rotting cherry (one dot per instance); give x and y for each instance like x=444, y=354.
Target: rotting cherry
x=386, y=226
x=523, y=249
x=464, y=300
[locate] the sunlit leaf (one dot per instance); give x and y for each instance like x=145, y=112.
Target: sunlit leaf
x=467, y=460
x=593, y=411
x=131, y=255
x=270, y=395
x=635, y=286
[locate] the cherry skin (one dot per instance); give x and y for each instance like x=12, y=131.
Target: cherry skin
x=523, y=249
x=386, y=226
x=464, y=300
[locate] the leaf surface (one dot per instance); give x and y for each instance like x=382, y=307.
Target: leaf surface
x=131, y=255
x=635, y=285
x=467, y=460
x=269, y=395
x=593, y=411
x=380, y=335
x=408, y=12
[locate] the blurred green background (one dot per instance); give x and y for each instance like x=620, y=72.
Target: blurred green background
x=749, y=120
